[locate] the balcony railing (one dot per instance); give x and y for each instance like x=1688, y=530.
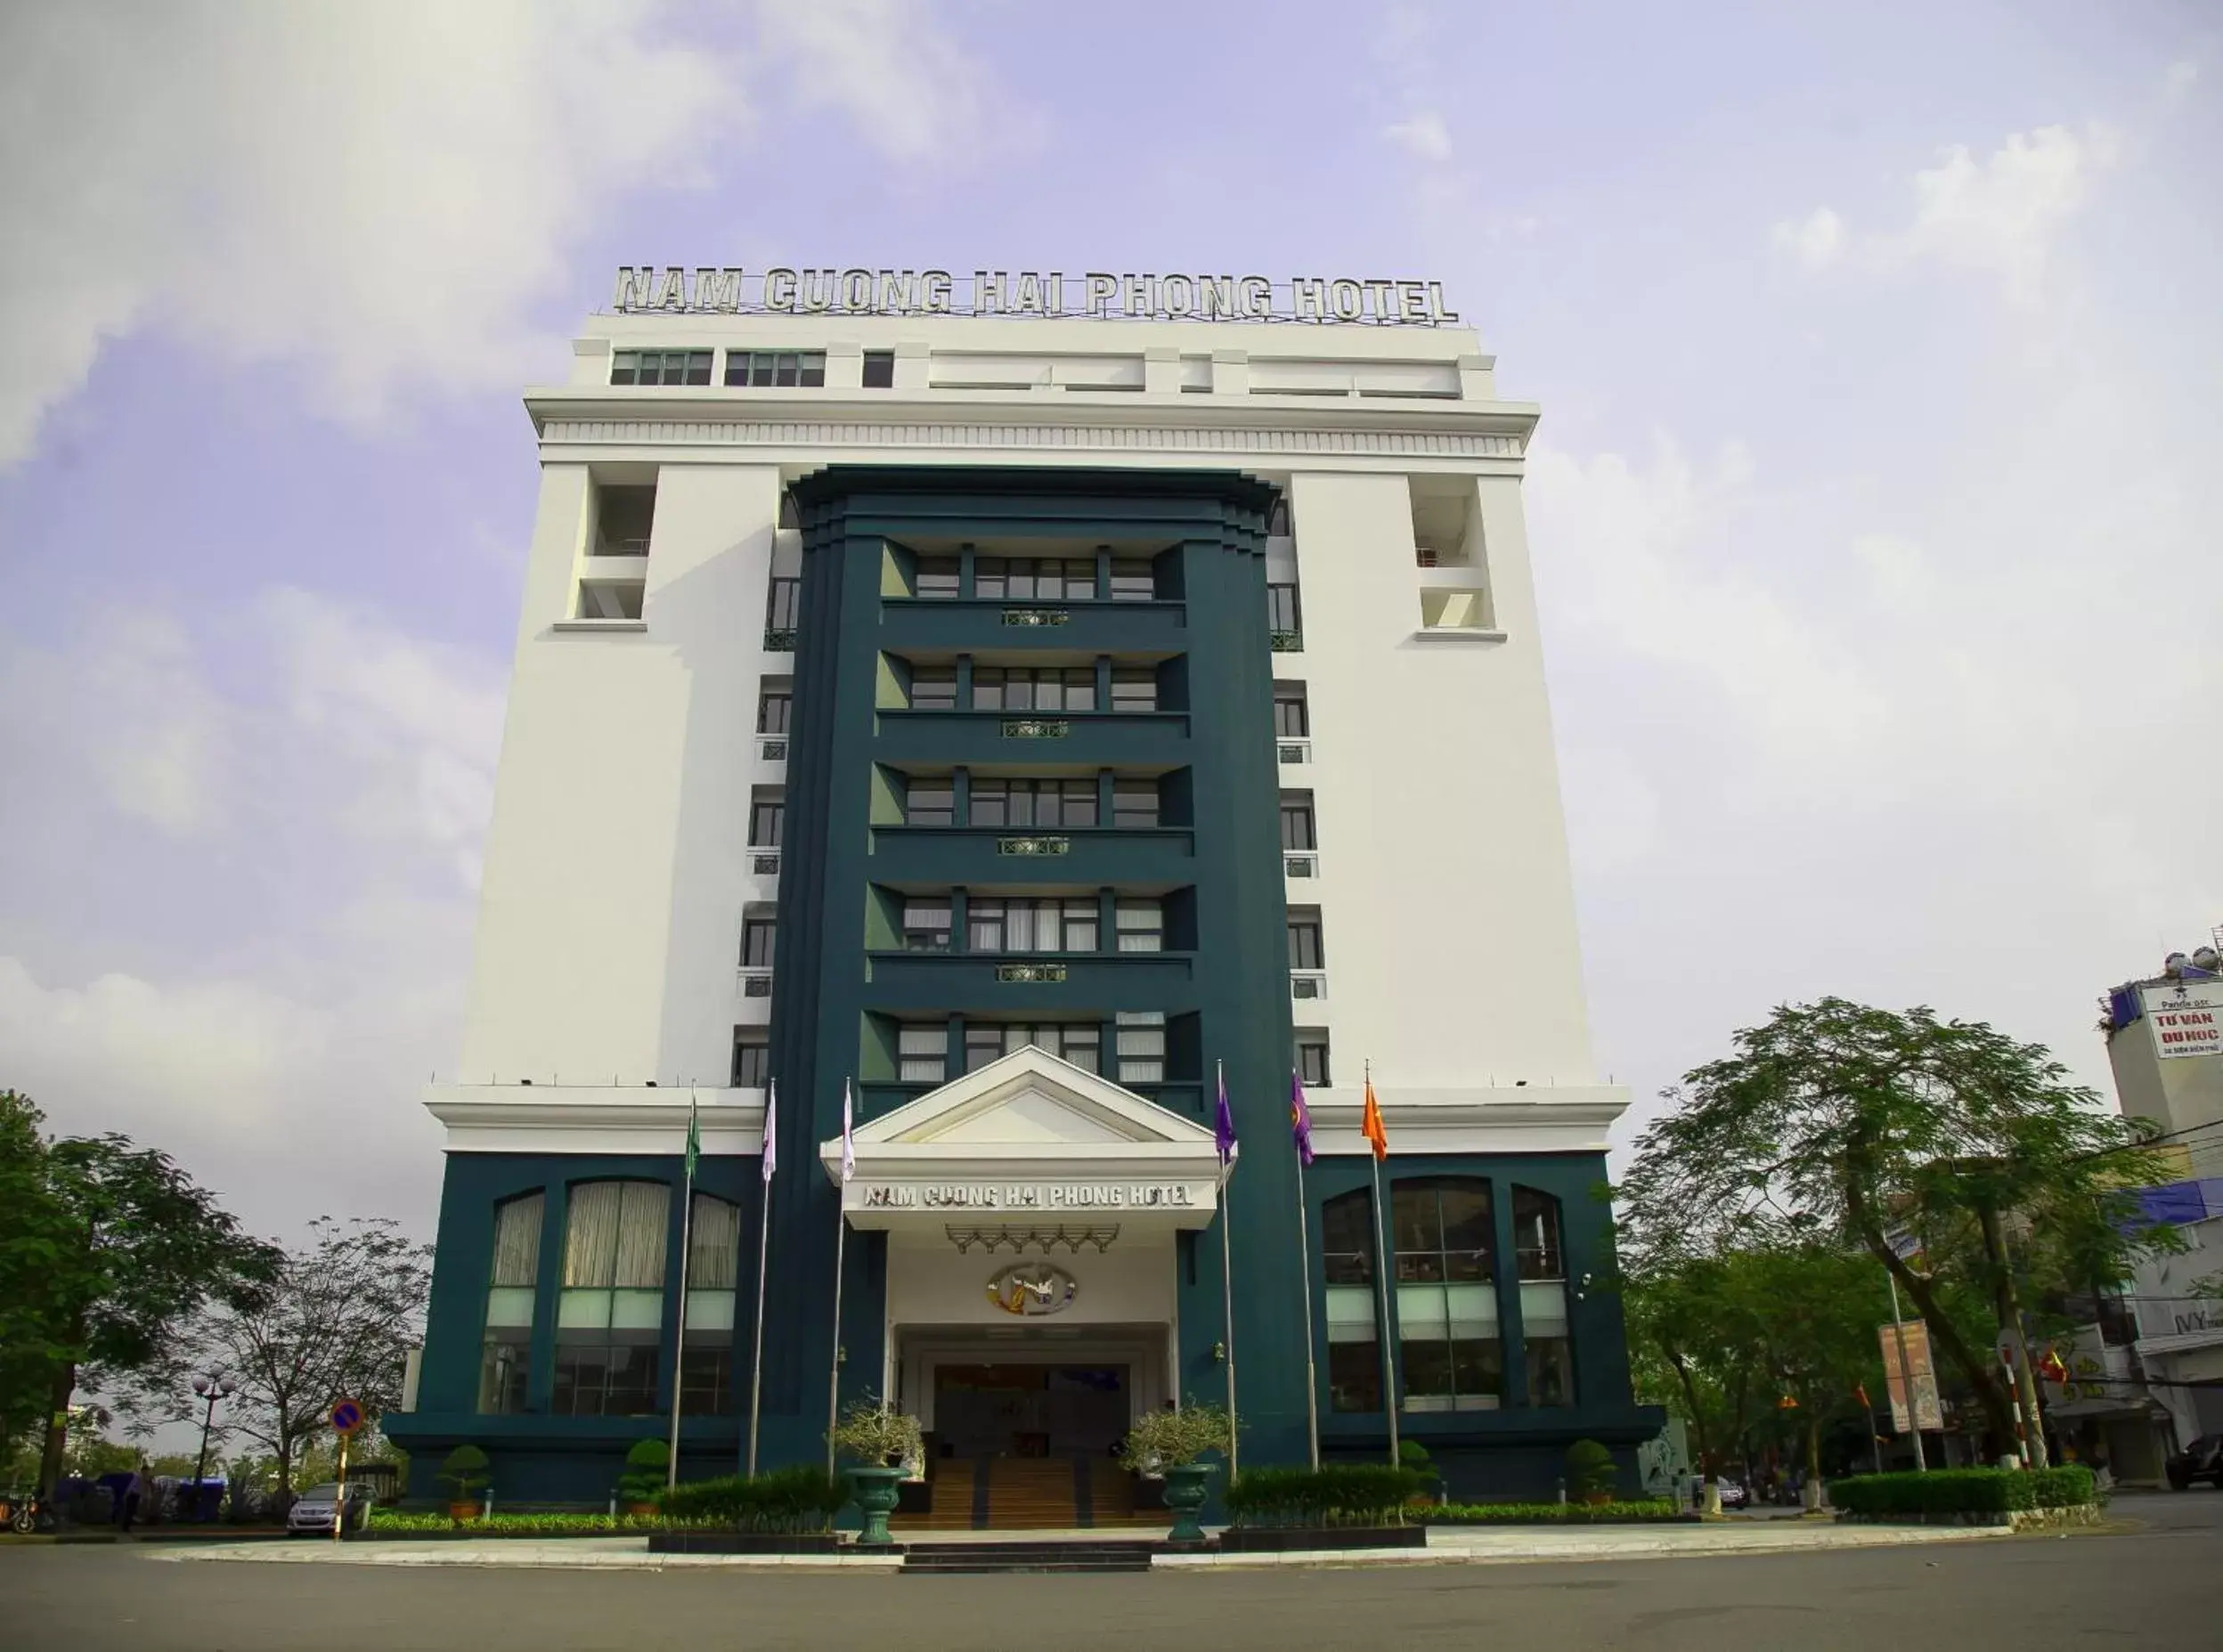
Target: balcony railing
x=1286, y=642
x=1300, y=863
x=756, y=984
x=779, y=641
x=1288, y=750
x=772, y=748
x=1308, y=984
x=764, y=862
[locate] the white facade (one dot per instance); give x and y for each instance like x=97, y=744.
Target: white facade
x=617, y=871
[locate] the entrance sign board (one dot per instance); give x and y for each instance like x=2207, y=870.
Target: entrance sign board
x=1031, y=1196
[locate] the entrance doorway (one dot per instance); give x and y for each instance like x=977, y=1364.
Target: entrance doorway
x=1012, y=1409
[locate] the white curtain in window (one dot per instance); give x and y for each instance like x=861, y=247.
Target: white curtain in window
x=714, y=1247
x=1543, y=1308
x=518, y=1240
x=643, y=1224
x=1018, y=926
x=590, y=1234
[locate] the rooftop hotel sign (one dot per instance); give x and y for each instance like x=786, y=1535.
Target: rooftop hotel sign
x=648, y=289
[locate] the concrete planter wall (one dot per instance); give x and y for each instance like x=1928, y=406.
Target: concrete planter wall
x=2010, y=1519
x=1280, y=1539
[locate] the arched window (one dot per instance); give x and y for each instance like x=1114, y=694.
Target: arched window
x=609, y=1326
x=1450, y=1354
x=507, y=1355
x=1347, y=1259
x=1549, y=1350
x=713, y=1250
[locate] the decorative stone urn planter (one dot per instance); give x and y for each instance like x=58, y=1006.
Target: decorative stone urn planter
x=1186, y=1483
x=876, y=1491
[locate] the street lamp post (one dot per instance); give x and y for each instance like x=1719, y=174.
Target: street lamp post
x=211, y=1385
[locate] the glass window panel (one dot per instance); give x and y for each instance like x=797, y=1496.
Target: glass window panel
x=984, y=926
x=1290, y=720
x=784, y=368
x=751, y=1064
x=583, y=1310
x=982, y=1044
x=1421, y=1310
x=934, y=688
x=938, y=576
x=642, y=1230
x=1415, y=1225
x=988, y=576
x=709, y=1310
x=1544, y=1309
x=1135, y=803
x=1470, y=1309
x=713, y=1249
x=1132, y=581
x=1354, y=1377
x=1536, y=1234
x=1551, y=1364
x=591, y=1233
x=509, y=1306
x=1080, y=690
x=1141, y=925
x=1424, y=1365
x=1297, y=823
x=1018, y=926
x=1134, y=689
x=1478, y=1373
x=761, y=368
x=813, y=375
x=518, y=1240
x=991, y=803
x=1081, y=1045
x=503, y=1365
x=1081, y=926
x=930, y=802
x=926, y=925
x=1312, y=1061
x=1347, y=1239
x=1351, y=1314
x=636, y=1310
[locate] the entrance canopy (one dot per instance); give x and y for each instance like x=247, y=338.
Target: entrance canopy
x=1030, y=1143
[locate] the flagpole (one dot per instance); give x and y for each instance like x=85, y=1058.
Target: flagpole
x=678, y=1339
x=840, y=1240
x=1227, y=1282
x=1304, y=1257
x=764, y=1247
x=1381, y=1282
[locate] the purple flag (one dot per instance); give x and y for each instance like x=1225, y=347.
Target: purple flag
x=1224, y=1124
x=1299, y=1118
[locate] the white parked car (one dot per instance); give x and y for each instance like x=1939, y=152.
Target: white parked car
x=314, y=1509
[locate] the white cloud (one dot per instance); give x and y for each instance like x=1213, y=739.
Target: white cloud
x=1422, y=134
x=1999, y=216
x=2178, y=82
x=357, y=188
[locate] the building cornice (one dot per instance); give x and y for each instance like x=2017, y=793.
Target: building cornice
x=1507, y=1119
x=595, y=1118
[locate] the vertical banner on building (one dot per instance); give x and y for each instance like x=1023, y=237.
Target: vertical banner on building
x=1907, y=1350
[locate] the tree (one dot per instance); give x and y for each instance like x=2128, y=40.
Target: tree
x=104, y=1247
x=336, y=1320
x=1871, y=1123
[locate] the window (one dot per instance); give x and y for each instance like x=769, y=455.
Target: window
x=611, y=600
x=660, y=367
x=937, y=576
x=757, y=933
x=930, y=800
x=921, y=1052
x=507, y=1353
x=1297, y=823
x=1548, y=1349
x=933, y=687
x=1141, y=925
x=1132, y=580
x=1347, y=1261
x=1277, y=520
x=1134, y=689
x=774, y=705
x=879, y=370
x=625, y=520
x=1035, y=579
x=780, y=369
x=784, y=604
x=752, y=1059
x=609, y=1320
x=1292, y=718
x=713, y=1266
x=1281, y=616
x=1078, y=1042
x=994, y=924
x=926, y=923
x=1134, y=803
x=1449, y=1353
x=1312, y=1057
x=767, y=813
x=1043, y=688
x=1304, y=940
x=1033, y=802
x=1139, y=1041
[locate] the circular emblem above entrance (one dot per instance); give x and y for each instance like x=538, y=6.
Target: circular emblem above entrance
x=1031, y=1289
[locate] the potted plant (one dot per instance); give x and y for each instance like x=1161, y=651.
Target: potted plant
x=1169, y=1442
x=884, y=1443
x=1591, y=1474
x=465, y=1472
x=648, y=1468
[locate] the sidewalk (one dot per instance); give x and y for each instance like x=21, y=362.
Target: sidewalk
x=1447, y=1546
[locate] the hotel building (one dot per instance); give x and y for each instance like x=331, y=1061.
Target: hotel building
x=1022, y=721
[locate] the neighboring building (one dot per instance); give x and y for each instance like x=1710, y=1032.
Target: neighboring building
x=1020, y=722
x=2146, y=1376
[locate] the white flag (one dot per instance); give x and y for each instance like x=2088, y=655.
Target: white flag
x=849, y=1139
x=771, y=1111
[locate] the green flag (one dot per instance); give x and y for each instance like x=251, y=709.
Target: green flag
x=694, y=1138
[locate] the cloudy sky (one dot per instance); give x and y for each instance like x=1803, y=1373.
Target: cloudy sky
x=1876, y=507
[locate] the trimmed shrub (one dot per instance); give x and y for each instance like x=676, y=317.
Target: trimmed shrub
x=788, y=1501
x=1551, y=1514
x=1590, y=1470
x=400, y=1521
x=1338, y=1494
x=647, y=1466
x=1964, y=1491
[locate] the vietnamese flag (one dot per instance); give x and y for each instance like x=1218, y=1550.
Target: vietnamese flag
x=1369, y=1123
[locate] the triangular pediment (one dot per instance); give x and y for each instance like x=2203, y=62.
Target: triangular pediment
x=1030, y=1098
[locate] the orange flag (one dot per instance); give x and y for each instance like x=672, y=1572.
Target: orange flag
x=1370, y=1125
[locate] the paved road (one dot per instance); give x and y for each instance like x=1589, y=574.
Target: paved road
x=2160, y=1586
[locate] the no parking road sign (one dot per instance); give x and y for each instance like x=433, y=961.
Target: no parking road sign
x=346, y=1416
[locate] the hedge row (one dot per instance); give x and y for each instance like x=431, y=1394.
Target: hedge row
x=1338, y=1494
x=787, y=1501
x=1550, y=1514
x=1964, y=1490
x=399, y=1520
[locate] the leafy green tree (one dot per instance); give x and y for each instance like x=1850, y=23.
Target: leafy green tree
x=1694, y=1332
x=104, y=1248
x=337, y=1318
x=1869, y=1122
